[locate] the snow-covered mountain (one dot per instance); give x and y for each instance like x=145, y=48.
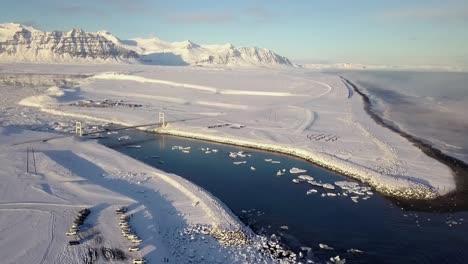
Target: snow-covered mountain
x=20, y=43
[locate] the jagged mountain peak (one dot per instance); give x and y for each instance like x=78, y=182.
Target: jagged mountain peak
x=20, y=43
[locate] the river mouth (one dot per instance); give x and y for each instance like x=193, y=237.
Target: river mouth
x=269, y=203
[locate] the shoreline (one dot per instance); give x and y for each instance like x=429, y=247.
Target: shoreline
x=414, y=191
x=387, y=185
x=455, y=200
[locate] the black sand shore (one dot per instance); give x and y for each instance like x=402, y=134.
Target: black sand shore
x=452, y=202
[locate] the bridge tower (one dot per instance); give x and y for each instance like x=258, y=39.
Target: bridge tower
x=78, y=129
x=162, y=119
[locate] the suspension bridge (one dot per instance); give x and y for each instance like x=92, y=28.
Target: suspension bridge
x=80, y=133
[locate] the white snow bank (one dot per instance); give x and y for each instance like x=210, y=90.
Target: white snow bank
x=73, y=174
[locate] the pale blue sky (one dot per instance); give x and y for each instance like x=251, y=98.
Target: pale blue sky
x=359, y=31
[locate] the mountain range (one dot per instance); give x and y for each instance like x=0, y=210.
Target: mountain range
x=26, y=44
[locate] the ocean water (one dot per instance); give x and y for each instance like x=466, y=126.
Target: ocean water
x=432, y=106
x=386, y=231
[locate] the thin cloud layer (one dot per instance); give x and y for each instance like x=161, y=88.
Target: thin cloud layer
x=435, y=14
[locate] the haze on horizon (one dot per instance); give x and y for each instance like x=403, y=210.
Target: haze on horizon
x=369, y=32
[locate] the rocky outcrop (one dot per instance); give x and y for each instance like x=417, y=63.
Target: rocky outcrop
x=39, y=46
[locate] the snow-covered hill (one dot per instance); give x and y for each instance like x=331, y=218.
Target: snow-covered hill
x=20, y=43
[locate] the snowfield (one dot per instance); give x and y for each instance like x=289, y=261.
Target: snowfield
x=303, y=113
x=37, y=209
x=294, y=111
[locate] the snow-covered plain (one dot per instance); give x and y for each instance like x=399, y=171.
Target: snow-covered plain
x=310, y=115
x=37, y=209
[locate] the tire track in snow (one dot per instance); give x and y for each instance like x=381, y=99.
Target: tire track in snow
x=51, y=232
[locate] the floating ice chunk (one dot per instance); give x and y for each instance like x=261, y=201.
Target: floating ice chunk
x=306, y=177
x=365, y=198
x=369, y=193
x=296, y=181
x=207, y=152
x=284, y=227
x=325, y=246
x=233, y=155
x=123, y=138
x=328, y=186
x=279, y=173
x=295, y=170
x=306, y=249
x=323, y=195
x=203, y=149
x=133, y=146
x=239, y=162
x=315, y=183
x=354, y=251
x=214, y=150
x=185, y=151
x=311, y=191
x=268, y=160
x=355, y=199
x=331, y=194
x=252, y=168
x=337, y=260
x=275, y=161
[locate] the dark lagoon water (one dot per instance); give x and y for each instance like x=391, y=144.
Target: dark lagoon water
x=382, y=229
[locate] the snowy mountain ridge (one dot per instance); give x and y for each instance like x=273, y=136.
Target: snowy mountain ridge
x=20, y=43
